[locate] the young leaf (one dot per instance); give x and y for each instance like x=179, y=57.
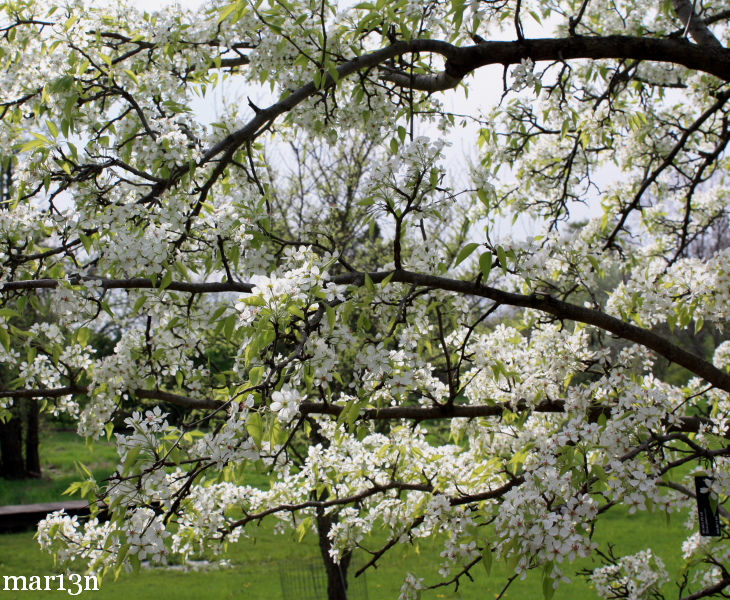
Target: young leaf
x=465, y=252
x=485, y=264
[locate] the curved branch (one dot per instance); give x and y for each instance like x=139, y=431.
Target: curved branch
x=709, y=591
x=462, y=61
x=667, y=162
x=712, y=60
x=562, y=310
x=543, y=303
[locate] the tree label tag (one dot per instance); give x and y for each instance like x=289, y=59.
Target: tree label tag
x=708, y=514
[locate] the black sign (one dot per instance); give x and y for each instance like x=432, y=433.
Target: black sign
x=709, y=518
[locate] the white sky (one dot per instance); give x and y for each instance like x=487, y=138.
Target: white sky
x=484, y=91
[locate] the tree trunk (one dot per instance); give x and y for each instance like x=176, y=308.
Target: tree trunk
x=32, y=456
x=11, y=448
x=336, y=573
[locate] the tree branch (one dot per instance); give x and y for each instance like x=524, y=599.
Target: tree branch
x=471, y=411
x=562, y=310
x=544, y=303
x=176, y=399
x=709, y=591
x=680, y=52
x=694, y=25
x=130, y=284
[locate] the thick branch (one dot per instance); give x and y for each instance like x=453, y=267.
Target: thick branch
x=131, y=283
x=468, y=59
x=712, y=60
x=363, y=62
x=446, y=411
x=177, y=399
x=461, y=61
x=379, y=489
x=416, y=413
x=417, y=81
x=562, y=310
x=547, y=304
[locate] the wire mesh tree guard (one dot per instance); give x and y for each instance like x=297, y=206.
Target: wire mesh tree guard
x=307, y=580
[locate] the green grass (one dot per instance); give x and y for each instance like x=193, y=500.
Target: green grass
x=256, y=561
x=256, y=565
x=59, y=452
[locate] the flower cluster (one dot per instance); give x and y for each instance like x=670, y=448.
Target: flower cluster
x=635, y=577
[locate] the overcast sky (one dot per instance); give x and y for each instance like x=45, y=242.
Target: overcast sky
x=482, y=93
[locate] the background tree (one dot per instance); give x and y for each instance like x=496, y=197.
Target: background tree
x=19, y=430
x=350, y=336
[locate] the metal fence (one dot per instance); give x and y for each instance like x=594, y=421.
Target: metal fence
x=307, y=580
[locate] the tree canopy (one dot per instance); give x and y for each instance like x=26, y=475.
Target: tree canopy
x=319, y=286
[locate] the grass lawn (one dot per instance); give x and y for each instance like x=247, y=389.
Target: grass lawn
x=256, y=562
x=60, y=451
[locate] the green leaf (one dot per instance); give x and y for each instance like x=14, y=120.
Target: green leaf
x=166, y=280
x=107, y=309
x=502, y=256
x=699, y=322
x=227, y=11
x=53, y=128
x=465, y=252
x=82, y=336
x=229, y=323
x=130, y=459
x=85, y=239
x=303, y=528
x=548, y=591
x=255, y=375
x=331, y=316
x=350, y=412
x=485, y=264
x=33, y=145
x=72, y=489
x=218, y=313
x=122, y=554
x=594, y=263
x=255, y=427
x=5, y=338
x=483, y=197
x=296, y=311
x=487, y=559
x=139, y=304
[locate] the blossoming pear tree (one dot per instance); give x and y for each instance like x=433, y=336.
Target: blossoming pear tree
x=395, y=361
